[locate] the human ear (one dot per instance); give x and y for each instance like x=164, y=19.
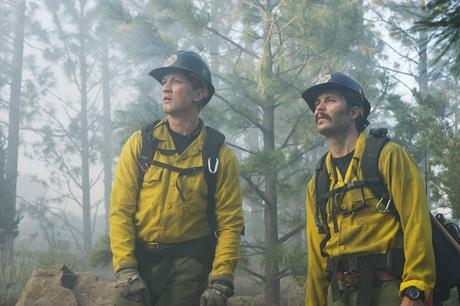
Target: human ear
x=355, y=112
x=199, y=95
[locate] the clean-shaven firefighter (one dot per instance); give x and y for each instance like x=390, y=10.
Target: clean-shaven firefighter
x=176, y=211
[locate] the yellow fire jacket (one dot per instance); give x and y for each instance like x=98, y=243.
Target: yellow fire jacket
x=162, y=215
x=369, y=231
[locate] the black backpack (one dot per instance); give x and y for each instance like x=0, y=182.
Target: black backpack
x=210, y=153
x=447, y=257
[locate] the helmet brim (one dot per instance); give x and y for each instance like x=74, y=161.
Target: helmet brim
x=159, y=73
x=311, y=94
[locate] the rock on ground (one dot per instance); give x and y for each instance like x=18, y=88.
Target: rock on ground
x=57, y=285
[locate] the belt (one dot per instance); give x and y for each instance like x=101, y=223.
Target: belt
x=195, y=247
x=352, y=279
x=155, y=246
x=365, y=272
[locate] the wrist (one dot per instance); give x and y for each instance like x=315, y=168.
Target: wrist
x=127, y=275
x=413, y=293
x=222, y=284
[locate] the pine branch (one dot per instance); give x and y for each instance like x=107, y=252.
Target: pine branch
x=292, y=174
x=34, y=207
x=64, y=102
x=226, y=38
x=400, y=29
x=248, y=96
x=240, y=112
x=97, y=178
x=292, y=233
x=395, y=71
x=406, y=57
x=283, y=273
x=291, y=132
x=256, y=188
x=93, y=226
x=239, y=148
x=72, y=230
x=74, y=197
x=66, y=169
x=252, y=246
x=253, y=273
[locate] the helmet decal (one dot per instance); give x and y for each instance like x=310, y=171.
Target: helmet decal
x=170, y=60
x=324, y=79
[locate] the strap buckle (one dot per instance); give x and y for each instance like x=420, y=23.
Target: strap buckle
x=381, y=206
x=216, y=165
x=152, y=245
x=143, y=163
x=351, y=272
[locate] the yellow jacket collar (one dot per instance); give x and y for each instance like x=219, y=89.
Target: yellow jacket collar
x=166, y=142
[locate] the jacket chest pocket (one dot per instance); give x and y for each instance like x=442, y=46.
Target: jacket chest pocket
x=151, y=191
x=152, y=177
x=365, y=204
x=194, y=183
x=195, y=191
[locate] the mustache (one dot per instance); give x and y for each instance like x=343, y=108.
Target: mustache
x=322, y=116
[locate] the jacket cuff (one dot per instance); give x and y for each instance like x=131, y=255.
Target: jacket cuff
x=125, y=265
x=228, y=277
x=221, y=279
x=421, y=285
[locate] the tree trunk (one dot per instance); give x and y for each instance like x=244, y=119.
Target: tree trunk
x=107, y=127
x=11, y=168
x=86, y=202
x=272, y=282
x=423, y=62
x=422, y=80
x=214, y=44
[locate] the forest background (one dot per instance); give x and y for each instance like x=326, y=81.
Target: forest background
x=74, y=85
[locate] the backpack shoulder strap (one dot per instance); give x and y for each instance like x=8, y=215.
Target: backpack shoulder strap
x=212, y=144
x=321, y=179
x=322, y=183
x=148, y=147
x=375, y=142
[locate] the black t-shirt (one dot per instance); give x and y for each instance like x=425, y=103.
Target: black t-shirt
x=343, y=162
x=183, y=141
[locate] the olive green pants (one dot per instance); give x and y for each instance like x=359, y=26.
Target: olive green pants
x=186, y=282
x=387, y=294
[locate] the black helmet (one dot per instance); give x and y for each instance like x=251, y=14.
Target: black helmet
x=339, y=81
x=188, y=62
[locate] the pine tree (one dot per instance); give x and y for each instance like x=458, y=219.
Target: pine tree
x=9, y=177
x=427, y=123
x=69, y=127
x=8, y=219
x=442, y=23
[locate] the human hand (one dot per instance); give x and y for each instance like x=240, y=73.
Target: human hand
x=131, y=285
x=217, y=293
x=408, y=302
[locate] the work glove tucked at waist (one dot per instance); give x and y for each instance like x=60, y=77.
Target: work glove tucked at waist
x=217, y=293
x=131, y=285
